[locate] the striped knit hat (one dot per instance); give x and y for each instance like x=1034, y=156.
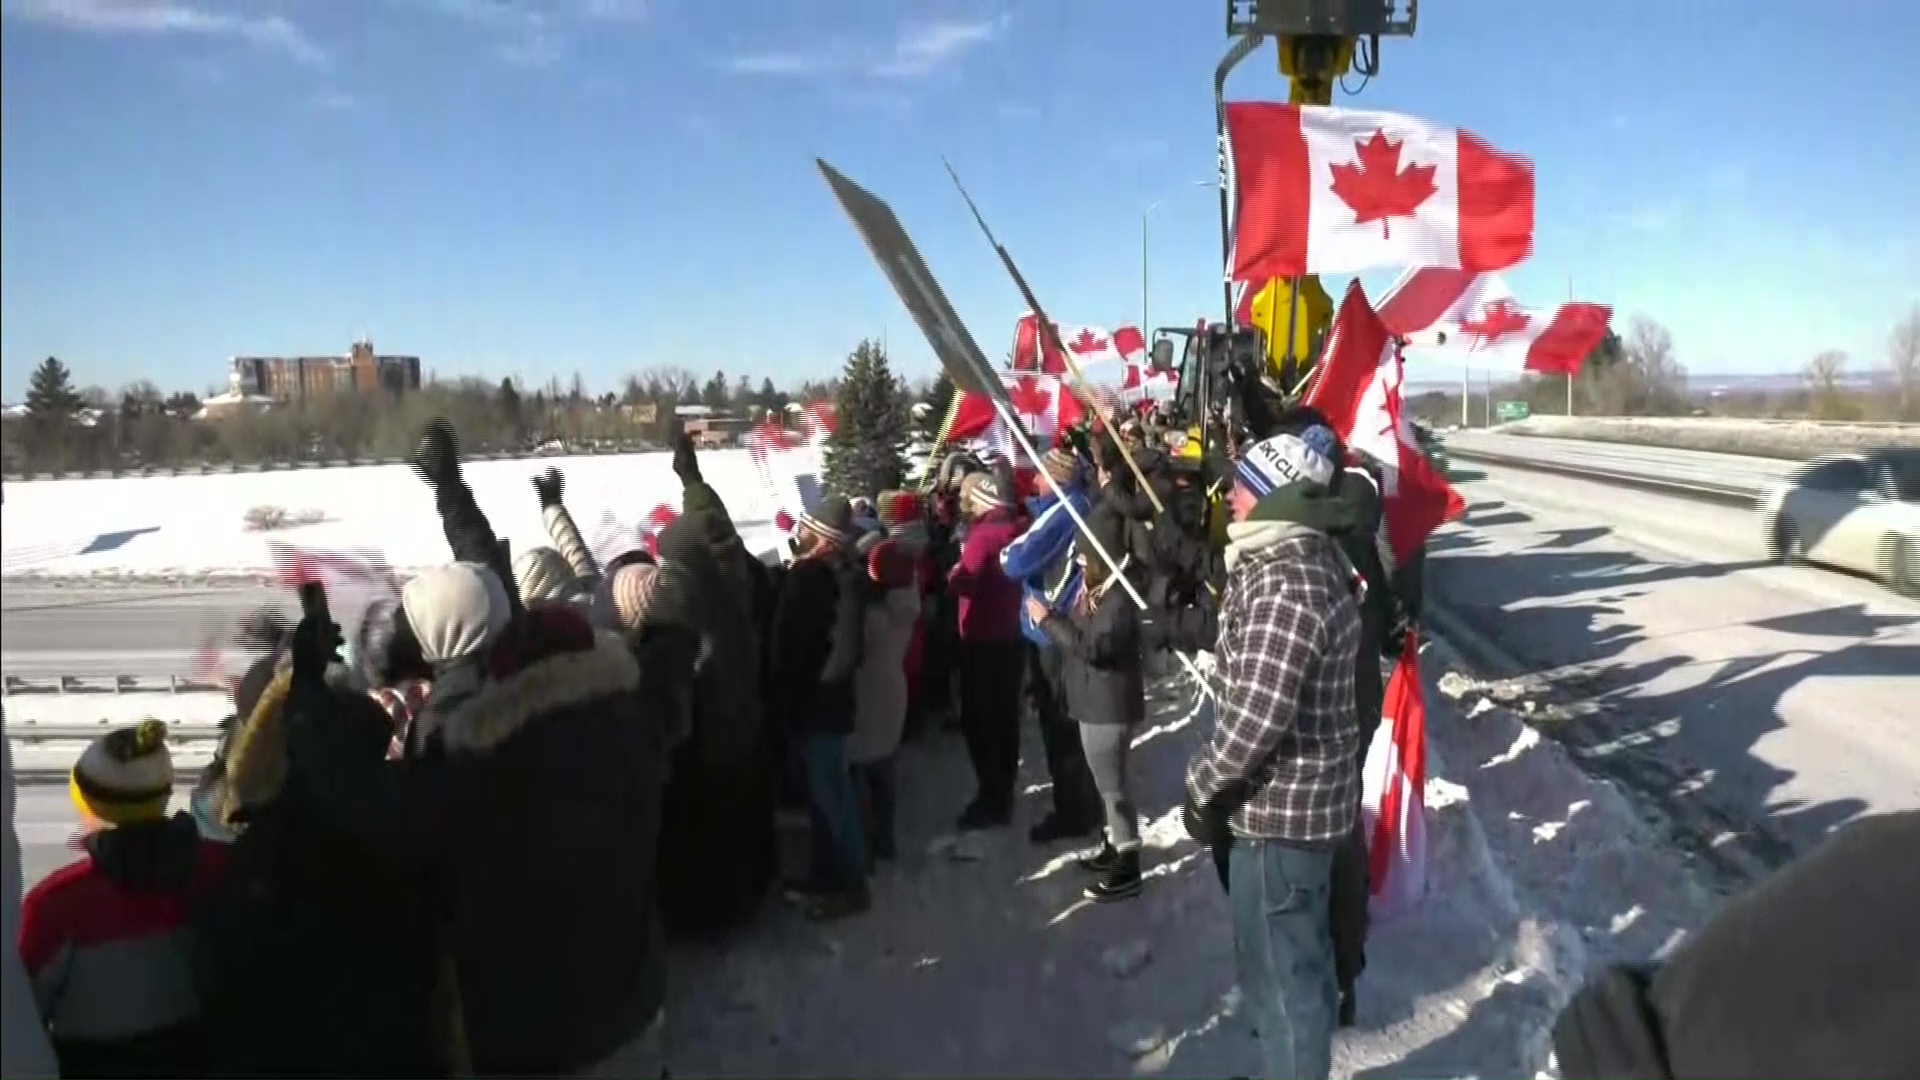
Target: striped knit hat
x=982, y=491
x=125, y=776
x=832, y=520
x=1062, y=464
x=631, y=591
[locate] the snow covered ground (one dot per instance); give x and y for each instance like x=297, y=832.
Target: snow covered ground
x=980, y=958
x=1795, y=440
x=196, y=526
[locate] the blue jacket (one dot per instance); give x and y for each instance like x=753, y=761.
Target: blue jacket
x=1035, y=556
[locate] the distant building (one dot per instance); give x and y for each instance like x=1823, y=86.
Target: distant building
x=288, y=378
x=712, y=431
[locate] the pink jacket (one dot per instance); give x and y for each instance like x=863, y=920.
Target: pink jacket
x=989, y=600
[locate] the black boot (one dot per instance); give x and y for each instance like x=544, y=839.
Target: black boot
x=1349, y=1009
x=1101, y=861
x=1121, y=881
x=979, y=816
x=1055, y=827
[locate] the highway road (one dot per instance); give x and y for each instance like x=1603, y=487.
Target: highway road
x=1693, y=466
x=87, y=628
x=47, y=822
x=1652, y=633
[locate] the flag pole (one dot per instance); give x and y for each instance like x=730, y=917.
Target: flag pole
x=940, y=439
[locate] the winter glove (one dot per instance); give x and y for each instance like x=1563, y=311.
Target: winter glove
x=549, y=486
x=437, y=458
x=686, y=464
x=316, y=646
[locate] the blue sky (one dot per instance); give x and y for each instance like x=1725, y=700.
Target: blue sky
x=536, y=187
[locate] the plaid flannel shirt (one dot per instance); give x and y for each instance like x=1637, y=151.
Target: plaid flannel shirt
x=1285, y=746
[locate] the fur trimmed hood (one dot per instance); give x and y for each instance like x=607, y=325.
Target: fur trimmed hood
x=502, y=708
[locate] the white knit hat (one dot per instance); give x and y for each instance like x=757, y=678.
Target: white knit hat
x=1279, y=461
x=455, y=610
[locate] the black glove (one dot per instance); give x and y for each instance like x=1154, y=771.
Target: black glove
x=686, y=465
x=1205, y=824
x=437, y=458
x=316, y=645
x=549, y=486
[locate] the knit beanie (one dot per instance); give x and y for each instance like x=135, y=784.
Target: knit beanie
x=983, y=491
x=543, y=576
x=831, y=520
x=631, y=592
x=898, y=507
x=455, y=610
x=125, y=776
x=890, y=565
x=1282, y=460
x=1062, y=464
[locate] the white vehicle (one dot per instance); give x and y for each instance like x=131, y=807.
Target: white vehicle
x=1857, y=512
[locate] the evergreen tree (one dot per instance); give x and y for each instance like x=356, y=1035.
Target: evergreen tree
x=714, y=394
x=938, y=398
x=508, y=400
x=770, y=398
x=50, y=393
x=870, y=427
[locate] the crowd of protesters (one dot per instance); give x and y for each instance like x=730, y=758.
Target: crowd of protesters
x=455, y=843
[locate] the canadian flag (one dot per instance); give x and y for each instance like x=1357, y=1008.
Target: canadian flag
x=1045, y=405
x=1392, y=806
x=1359, y=391
x=1322, y=190
x=1032, y=350
x=1476, y=318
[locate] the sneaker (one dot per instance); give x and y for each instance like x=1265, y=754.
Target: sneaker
x=1121, y=881
x=1054, y=827
x=1102, y=860
x=978, y=816
x=840, y=904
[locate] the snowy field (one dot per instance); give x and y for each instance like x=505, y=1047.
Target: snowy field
x=175, y=527
x=980, y=958
x=1795, y=440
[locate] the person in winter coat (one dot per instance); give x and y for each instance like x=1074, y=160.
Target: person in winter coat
x=880, y=688
x=903, y=518
x=550, y=488
x=991, y=653
x=818, y=635
x=1275, y=785
x=105, y=939
x=543, y=576
x=1042, y=560
x=717, y=844
x=1809, y=973
x=317, y=955
x=24, y=1049
x=1103, y=682
x=533, y=815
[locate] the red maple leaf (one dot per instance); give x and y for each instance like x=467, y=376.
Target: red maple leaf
x=1496, y=320
x=1087, y=342
x=1377, y=188
x=1029, y=398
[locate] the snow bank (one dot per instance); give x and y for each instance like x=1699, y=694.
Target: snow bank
x=1795, y=440
x=981, y=959
x=195, y=526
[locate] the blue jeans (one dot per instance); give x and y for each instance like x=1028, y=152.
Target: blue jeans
x=839, y=840
x=1284, y=953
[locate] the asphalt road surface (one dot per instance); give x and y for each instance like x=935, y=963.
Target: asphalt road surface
x=1696, y=466
x=89, y=628
x=1769, y=702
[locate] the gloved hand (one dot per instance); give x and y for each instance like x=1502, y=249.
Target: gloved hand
x=437, y=457
x=316, y=645
x=549, y=487
x=686, y=465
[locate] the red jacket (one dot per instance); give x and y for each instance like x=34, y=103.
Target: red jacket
x=989, y=600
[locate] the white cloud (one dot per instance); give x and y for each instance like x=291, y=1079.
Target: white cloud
x=161, y=17
x=918, y=49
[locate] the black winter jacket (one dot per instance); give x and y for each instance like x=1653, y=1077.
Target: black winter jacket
x=702, y=540
x=813, y=650
x=536, y=823
x=1101, y=670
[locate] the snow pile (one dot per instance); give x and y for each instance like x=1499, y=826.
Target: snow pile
x=190, y=526
x=981, y=958
x=1794, y=440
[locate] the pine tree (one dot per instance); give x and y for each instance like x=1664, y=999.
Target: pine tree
x=50, y=393
x=938, y=398
x=870, y=426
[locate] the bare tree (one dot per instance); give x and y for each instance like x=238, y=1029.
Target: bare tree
x=1824, y=374
x=1903, y=359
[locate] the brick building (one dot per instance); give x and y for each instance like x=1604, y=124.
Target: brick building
x=286, y=378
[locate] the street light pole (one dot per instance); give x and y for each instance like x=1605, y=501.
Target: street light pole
x=1146, y=326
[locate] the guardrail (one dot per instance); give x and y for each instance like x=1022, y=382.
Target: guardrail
x=222, y=468
x=119, y=683
x=1723, y=494
x=30, y=732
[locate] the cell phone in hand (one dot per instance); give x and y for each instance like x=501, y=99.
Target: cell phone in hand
x=313, y=600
